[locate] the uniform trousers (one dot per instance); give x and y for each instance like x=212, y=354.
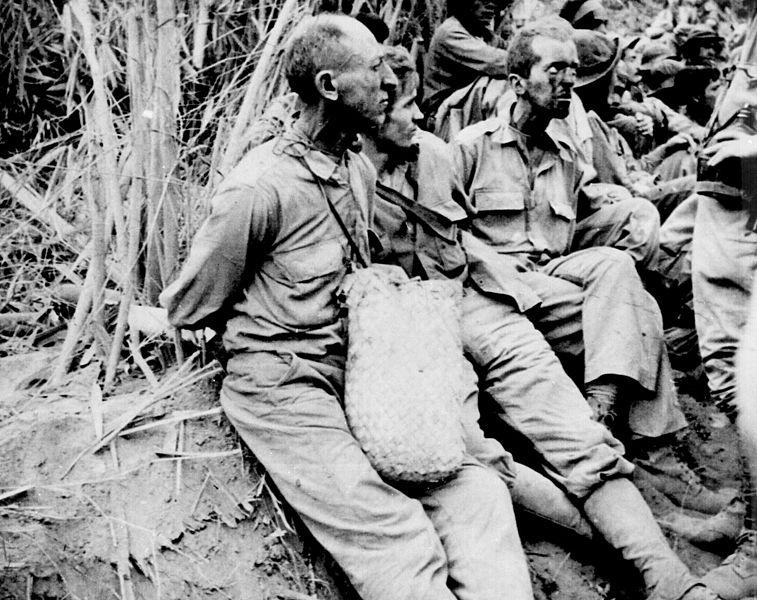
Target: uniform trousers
x=723, y=263
x=533, y=394
x=594, y=303
x=455, y=540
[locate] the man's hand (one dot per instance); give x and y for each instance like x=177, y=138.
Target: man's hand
x=644, y=124
x=731, y=144
x=680, y=141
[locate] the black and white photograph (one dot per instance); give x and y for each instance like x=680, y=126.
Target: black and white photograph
x=378, y=299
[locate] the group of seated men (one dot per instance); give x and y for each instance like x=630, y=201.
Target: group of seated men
x=538, y=212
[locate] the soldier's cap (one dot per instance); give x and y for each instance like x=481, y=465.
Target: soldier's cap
x=597, y=55
x=697, y=35
x=652, y=52
x=662, y=74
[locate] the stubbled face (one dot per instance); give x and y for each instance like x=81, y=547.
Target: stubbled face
x=550, y=83
x=364, y=82
x=401, y=125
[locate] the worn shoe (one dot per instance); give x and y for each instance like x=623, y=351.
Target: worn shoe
x=736, y=577
x=718, y=530
x=667, y=472
x=700, y=592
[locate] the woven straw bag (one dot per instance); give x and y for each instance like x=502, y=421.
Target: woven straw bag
x=403, y=389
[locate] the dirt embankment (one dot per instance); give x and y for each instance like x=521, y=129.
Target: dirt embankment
x=131, y=521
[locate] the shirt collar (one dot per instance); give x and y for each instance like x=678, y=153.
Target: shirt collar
x=323, y=166
x=505, y=135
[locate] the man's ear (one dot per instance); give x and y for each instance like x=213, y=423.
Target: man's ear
x=325, y=83
x=517, y=83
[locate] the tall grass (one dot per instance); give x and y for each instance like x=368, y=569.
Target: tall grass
x=126, y=112
x=118, y=117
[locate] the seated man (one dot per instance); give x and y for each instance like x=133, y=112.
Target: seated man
x=523, y=186
x=416, y=219
x=462, y=49
x=265, y=268
x=612, y=158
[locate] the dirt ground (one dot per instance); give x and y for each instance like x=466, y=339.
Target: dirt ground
x=131, y=521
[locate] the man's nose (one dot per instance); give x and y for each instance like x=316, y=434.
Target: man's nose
x=388, y=78
x=569, y=78
x=417, y=114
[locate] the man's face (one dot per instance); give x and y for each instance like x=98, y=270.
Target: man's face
x=483, y=12
x=399, y=129
x=709, y=52
x=552, y=78
x=629, y=65
x=364, y=82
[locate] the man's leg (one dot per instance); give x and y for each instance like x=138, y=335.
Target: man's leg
x=631, y=225
x=538, y=399
x=531, y=491
x=624, y=350
x=535, y=396
x=288, y=411
x=724, y=260
x=676, y=235
x=474, y=518
x=621, y=331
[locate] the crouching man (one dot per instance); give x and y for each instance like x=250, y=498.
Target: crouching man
x=265, y=267
x=416, y=218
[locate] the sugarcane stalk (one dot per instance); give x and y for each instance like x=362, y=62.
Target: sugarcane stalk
x=102, y=122
x=250, y=101
x=200, y=36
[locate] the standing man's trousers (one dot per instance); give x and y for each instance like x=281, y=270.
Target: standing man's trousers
x=723, y=263
x=457, y=540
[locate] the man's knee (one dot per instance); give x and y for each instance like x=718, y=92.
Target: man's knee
x=605, y=262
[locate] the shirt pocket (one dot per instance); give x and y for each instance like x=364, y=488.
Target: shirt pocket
x=312, y=262
x=488, y=200
x=500, y=218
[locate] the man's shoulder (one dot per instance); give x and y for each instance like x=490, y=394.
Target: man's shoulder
x=449, y=27
x=478, y=132
x=432, y=145
x=266, y=166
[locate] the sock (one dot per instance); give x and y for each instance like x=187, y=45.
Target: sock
x=601, y=395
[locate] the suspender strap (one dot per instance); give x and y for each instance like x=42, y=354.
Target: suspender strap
x=350, y=240
x=436, y=221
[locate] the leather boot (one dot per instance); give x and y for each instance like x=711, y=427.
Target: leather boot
x=667, y=472
x=718, y=530
x=736, y=577
x=539, y=496
x=623, y=518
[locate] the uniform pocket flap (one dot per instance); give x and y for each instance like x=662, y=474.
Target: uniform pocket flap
x=561, y=209
x=498, y=200
x=312, y=261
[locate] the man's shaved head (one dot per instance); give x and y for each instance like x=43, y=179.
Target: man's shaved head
x=324, y=42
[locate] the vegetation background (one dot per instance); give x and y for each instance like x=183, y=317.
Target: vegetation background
x=117, y=119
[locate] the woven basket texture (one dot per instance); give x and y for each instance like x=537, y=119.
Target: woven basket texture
x=403, y=389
